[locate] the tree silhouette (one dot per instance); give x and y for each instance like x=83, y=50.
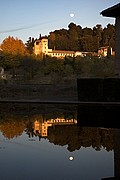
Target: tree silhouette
x=29, y=45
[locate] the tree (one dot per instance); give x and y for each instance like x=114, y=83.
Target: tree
x=74, y=36
x=13, y=50
x=97, y=34
x=52, y=39
x=30, y=66
x=13, y=46
x=109, y=36
x=77, y=38
x=59, y=39
x=87, y=44
x=29, y=45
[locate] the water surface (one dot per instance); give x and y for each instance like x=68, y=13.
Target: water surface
x=51, y=145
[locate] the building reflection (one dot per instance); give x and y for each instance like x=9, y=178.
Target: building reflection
x=41, y=128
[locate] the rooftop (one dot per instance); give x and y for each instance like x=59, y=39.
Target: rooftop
x=62, y=51
x=113, y=11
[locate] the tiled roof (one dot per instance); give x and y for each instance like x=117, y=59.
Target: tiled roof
x=113, y=11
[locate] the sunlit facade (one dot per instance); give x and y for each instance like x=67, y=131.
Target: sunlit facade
x=41, y=48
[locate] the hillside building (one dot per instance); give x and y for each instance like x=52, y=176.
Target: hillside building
x=103, y=51
x=41, y=47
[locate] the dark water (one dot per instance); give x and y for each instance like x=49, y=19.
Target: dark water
x=50, y=143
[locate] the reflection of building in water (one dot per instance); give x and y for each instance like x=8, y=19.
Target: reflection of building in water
x=41, y=128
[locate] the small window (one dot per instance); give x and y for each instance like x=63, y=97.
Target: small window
x=37, y=43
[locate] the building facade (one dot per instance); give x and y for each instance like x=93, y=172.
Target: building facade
x=103, y=51
x=41, y=48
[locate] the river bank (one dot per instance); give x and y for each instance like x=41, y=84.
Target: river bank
x=61, y=91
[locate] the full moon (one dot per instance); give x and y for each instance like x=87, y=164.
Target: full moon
x=71, y=15
x=71, y=158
